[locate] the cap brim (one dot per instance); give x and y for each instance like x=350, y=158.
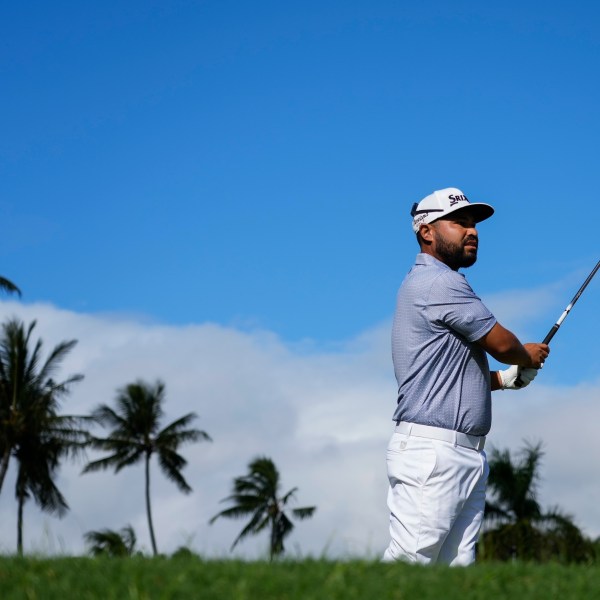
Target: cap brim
x=479, y=210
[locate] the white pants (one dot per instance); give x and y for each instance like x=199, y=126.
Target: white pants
x=436, y=500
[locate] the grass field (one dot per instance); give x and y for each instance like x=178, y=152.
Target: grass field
x=140, y=578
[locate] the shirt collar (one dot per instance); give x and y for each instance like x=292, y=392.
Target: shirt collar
x=428, y=260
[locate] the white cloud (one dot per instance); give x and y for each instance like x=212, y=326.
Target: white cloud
x=322, y=415
x=323, y=418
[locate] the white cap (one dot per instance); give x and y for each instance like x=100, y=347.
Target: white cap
x=442, y=203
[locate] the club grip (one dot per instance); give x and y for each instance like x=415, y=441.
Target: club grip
x=550, y=334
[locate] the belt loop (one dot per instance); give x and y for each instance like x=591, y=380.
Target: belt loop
x=410, y=426
x=455, y=438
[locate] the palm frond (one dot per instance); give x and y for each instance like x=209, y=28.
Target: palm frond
x=305, y=512
x=252, y=501
x=36, y=468
x=124, y=457
x=257, y=523
x=108, y=417
x=174, y=439
x=289, y=496
x=171, y=464
x=111, y=543
x=493, y=512
x=248, y=485
x=179, y=424
x=52, y=363
x=558, y=520
x=9, y=287
x=233, y=512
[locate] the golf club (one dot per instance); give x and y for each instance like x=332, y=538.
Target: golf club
x=562, y=317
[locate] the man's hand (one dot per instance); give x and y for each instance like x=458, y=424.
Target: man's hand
x=538, y=353
x=523, y=374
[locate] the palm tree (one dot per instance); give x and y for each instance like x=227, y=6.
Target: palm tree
x=514, y=485
x=517, y=527
x=31, y=430
x=257, y=495
x=136, y=435
x=107, y=542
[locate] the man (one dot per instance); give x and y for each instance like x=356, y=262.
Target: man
x=437, y=467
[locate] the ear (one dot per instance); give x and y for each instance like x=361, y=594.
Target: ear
x=426, y=233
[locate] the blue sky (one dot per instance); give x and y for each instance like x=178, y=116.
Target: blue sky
x=255, y=163
x=252, y=165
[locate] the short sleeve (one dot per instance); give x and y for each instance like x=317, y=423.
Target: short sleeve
x=453, y=303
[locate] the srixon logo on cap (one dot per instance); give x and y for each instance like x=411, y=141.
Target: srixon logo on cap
x=456, y=199
x=418, y=220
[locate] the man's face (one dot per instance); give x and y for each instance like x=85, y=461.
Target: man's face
x=455, y=239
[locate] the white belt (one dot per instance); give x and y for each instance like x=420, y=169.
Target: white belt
x=475, y=442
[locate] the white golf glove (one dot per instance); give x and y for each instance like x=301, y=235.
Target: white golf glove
x=510, y=376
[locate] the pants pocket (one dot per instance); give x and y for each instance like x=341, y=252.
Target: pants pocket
x=410, y=461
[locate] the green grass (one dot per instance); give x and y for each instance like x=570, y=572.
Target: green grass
x=188, y=578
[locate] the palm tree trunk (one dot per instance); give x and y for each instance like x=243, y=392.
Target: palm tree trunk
x=273, y=538
x=148, y=509
x=4, y=466
x=21, y=501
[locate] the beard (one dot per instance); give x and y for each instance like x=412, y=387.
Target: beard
x=456, y=255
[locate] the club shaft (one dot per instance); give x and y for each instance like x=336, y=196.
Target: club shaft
x=562, y=317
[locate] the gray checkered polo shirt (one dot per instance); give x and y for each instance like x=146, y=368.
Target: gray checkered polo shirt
x=443, y=375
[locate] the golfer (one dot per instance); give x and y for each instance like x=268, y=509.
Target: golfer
x=437, y=467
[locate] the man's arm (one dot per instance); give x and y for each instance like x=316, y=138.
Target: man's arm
x=506, y=348
x=495, y=380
